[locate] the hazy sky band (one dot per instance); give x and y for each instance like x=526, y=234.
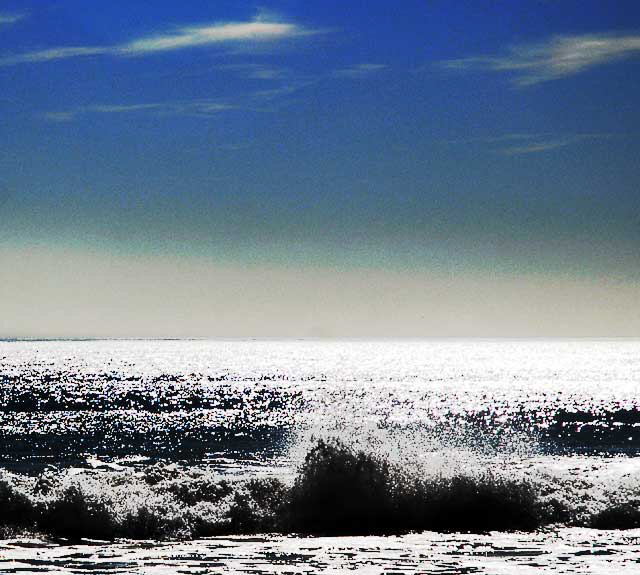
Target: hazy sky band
x=427, y=141
x=195, y=297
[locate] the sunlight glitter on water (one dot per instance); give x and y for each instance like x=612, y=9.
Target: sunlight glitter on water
x=565, y=551
x=143, y=435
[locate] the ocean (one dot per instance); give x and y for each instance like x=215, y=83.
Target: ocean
x=320, y=456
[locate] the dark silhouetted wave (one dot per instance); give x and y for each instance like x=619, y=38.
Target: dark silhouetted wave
x=338, y=490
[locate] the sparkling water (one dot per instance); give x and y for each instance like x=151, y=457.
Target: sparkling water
x=421, y=456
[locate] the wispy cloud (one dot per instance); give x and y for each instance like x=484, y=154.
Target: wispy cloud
x=60, y=116
x=285, y=89
x=517, y=144
x=359, y=70
x=199, y=108
x=544, y=143
x=120, y=108
x=10, y=18
x=538, y=146
x=295, y=83
x=502, y=138
x=51, y=54
x=180, y=39
x=216, y=34
x=255, y=71
x=556, y=58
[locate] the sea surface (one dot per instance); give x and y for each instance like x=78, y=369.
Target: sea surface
x=413, y=456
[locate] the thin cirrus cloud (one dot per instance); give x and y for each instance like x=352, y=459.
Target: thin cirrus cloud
x=518, y=144
x=182, y=38
x=255, y=71
x=210, y=108
x=198, y=108
x=203, y=35
x=538, y=146
x=10, y=18
x=295, y=84
x=535, y=144
x=359, y=70
x=556, y=58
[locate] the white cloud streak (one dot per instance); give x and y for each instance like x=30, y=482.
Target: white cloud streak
x=182, y=38
x=359, y=71
x=51, y=54
x=518, y=144
x=199, y=108
x=8, y=18
x=558, y=57
x=539, y=146
x=257, y=71
x=286, y=89
x=203, y=35
x=60, y=116
x=296, y=84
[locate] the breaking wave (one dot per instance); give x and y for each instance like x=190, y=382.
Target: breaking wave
x=338, y=489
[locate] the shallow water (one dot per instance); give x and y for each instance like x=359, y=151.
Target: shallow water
x=164, y=438
x=561, y=551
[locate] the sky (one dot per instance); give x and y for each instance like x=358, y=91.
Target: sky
x=319, y=168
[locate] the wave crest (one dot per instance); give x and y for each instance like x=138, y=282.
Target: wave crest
x=338, y=490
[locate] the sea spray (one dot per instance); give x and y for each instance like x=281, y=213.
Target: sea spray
x=337, y=490
x=341, y=491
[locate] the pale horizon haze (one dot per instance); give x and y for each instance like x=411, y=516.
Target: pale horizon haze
x=308, y=169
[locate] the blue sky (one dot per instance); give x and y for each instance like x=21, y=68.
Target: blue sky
x=451, y=138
